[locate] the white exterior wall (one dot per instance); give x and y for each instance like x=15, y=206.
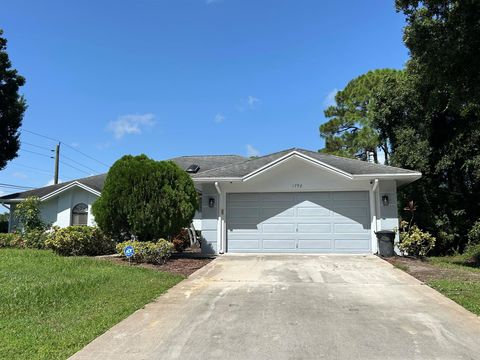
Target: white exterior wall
x=58, y=210
x=295, y=175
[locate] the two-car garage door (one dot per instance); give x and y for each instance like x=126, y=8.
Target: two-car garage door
x=320, y=222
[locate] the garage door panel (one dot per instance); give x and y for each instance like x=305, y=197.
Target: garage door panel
x=244, y=244
x=349, y=244
x=324, y=197
x=278, y=228
x=350, y=196
x=315, y=228
x=267, y=213
x=352, y=228
x=279, y=244
x=242, y=225
x=243, y=197
x=325, y=244
x=310, y=211
x=243, y=212
x=276, y=197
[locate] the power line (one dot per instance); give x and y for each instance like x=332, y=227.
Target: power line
x=76, y=162
x=33, y=168
x=16, y=186
x=44, y=136
x=38, y=146
x=71, y=147
x=37, y=153
x=73, y=167
x=88, y=156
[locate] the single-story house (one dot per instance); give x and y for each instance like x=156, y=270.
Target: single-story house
x=287, y=202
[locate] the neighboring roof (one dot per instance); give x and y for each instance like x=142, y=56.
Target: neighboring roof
x=206, y=162
x=213, y=167
x=349, y=166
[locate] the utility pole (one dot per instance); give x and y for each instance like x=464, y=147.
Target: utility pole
x=57, y=159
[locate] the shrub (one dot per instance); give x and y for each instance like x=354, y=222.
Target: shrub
x=147, y=251
x=415, y=242
x=145, y=198
x=28, y=214
x=473, y=253
x=474, y=233
x=181, y=241
x=10, y=240
x=34, y=239
x=79, y=240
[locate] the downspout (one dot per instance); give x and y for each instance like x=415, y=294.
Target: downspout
x=373, y=211
x=374, y=189
x=219, y=220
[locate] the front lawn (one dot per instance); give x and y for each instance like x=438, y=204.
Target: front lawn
x=453, y=276
x=52, y=306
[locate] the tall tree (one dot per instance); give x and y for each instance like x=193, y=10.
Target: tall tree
x=431, y=118
x=349, y=130
x=12, y=106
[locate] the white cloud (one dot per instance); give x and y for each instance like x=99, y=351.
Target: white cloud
x=50, y=182
x=210, y=2
x=130, y=124
x=251, y=151
x=252, y=100
x=19, y=175
x=104, y=145
x=330, y=98
x=219, y=118
x=75, y=144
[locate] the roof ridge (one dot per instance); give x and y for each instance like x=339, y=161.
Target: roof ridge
x=189, y=156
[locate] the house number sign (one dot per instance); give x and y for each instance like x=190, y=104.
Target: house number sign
x=297, y=186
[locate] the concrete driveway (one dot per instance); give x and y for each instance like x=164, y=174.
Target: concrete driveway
x=295, y=307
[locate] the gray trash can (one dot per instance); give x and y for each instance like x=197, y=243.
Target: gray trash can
x=386, y=239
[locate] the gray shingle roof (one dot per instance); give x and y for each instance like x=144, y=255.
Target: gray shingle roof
x=233, y=166
x=350, y=166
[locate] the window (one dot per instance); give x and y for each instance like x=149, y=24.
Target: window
x=80, y=214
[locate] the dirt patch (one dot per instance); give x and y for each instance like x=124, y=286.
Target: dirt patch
x=178, y=264
x=426, y=271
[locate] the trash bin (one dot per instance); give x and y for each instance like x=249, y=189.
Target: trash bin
x=386, y=239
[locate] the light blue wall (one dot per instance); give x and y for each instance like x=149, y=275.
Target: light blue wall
x=209, y=219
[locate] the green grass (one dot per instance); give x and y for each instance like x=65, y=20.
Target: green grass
x=52, y=306
x=462, y=284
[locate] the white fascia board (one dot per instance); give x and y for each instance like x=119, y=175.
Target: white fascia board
x=411, y=176
x=67, y=187
x=302, y=156
x=11, y=201
x=218, y=179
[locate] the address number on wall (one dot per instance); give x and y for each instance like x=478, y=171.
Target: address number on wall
x=297, y=186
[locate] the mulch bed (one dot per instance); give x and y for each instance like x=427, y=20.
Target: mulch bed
x=180, y=263
x=426, y=271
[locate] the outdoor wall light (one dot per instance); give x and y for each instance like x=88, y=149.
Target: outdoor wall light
x=385, y=201
x=211, y=202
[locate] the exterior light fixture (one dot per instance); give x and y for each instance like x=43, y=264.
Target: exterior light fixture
x=385, y=200
x=211, y=202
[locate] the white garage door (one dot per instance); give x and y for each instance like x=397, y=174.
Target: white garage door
x=320, y=222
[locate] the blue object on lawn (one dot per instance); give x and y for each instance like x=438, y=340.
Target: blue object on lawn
x=129, y=251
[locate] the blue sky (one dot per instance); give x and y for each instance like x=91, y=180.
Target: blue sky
x=185, y=77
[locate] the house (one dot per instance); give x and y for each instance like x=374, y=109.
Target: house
x=290, y=201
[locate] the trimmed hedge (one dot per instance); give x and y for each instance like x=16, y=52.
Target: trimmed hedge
x=147, y=251
x=79, y=240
